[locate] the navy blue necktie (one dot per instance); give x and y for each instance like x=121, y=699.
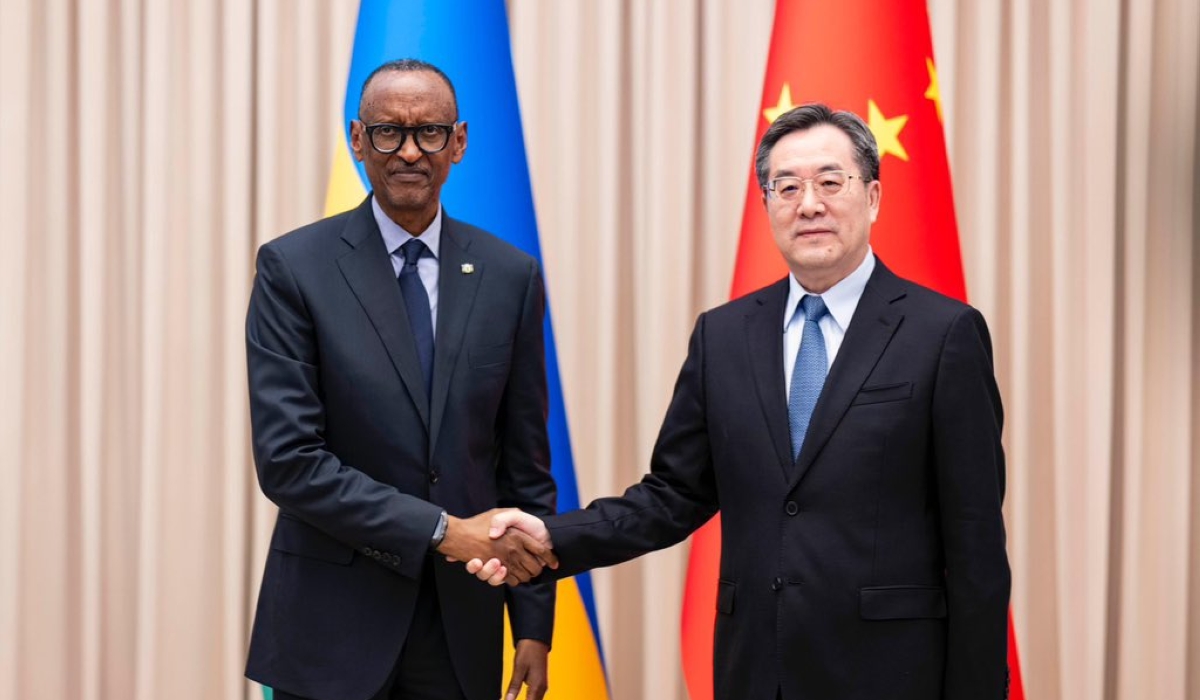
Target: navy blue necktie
x=808, y=375
x=416, y=302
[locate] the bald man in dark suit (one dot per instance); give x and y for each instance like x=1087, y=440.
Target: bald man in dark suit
x=397, y=386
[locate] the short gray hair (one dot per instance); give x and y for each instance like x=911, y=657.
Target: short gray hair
x=866, y=152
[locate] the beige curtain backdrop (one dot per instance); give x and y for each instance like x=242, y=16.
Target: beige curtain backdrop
x=149, y=147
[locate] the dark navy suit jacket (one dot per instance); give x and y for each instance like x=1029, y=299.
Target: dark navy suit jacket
x=361, y=462
x=873, y=566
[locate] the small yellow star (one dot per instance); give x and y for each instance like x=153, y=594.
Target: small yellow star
x=887, y=131
x=785, y=103
x=933, y=92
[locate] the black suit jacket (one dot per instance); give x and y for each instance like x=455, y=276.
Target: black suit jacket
x=872, y=567
x=361, y=462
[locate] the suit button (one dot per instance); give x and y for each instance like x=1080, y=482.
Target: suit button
x=433, y=477
x=791, y=508
x=777, y=584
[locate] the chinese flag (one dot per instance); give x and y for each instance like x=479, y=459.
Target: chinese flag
x=874, y=59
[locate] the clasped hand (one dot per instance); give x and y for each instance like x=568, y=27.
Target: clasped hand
x=515, y=546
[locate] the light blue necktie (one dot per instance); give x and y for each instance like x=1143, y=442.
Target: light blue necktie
x=808, y=376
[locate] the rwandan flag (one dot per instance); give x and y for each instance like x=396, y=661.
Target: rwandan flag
x=490, y=188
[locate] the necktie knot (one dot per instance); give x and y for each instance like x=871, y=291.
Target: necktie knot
x=412, y=251
x=814, y=307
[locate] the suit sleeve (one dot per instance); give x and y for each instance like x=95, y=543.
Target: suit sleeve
x=296, y=470
x=668, y=504
x=523, y=478
x=967, y=423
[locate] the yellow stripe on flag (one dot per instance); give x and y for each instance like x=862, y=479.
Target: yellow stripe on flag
x=345, y=187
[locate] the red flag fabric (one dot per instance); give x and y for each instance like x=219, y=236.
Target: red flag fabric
x=876, y=60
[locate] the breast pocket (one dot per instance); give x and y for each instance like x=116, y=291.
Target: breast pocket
x=492, y=357
x=883, y=393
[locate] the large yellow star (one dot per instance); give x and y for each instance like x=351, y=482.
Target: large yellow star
x=887, y=131
x=933, y=92
x=785, y=103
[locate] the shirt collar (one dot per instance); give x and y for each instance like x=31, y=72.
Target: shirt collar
x=395, y=236
x=841, y=299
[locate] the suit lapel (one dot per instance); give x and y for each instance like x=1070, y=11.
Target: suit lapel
x=368, y=270
x=456, y=295
x=764, y=342
x=875, y=322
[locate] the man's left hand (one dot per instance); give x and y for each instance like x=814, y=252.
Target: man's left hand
x=529, y=668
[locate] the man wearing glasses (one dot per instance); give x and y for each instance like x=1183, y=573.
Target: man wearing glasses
x=846, y=422
x=397, y=383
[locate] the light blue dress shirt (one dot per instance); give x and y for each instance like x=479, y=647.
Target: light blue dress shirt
x=841, y=299
x=427, y=267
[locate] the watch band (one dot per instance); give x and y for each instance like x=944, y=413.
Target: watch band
x=439, y=532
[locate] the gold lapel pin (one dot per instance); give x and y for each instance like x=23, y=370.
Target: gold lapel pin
x=467, y=268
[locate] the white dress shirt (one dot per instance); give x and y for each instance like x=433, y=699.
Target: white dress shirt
x=841, y=299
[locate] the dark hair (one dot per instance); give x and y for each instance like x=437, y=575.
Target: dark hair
x=866, y=151
x=409, y=65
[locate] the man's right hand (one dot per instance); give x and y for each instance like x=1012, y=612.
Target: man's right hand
x=506, y=523
x=521, y=556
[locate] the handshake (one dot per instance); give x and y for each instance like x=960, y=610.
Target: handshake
x=502, y=545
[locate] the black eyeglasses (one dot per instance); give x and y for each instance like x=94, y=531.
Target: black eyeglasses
x=389, y=138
